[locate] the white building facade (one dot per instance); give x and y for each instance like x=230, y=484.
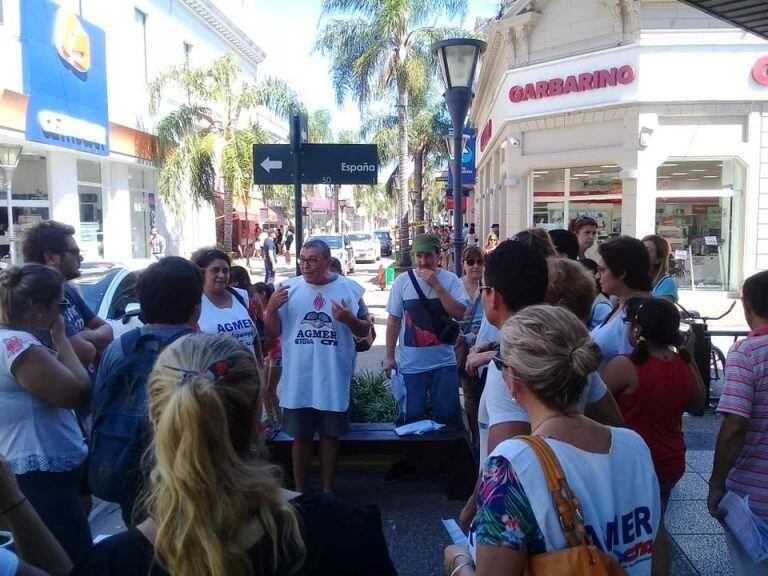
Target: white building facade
x=647, y=115
x=73, y=95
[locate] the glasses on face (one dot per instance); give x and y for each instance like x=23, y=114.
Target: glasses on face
x=472, y=262
x=602, y=269
x=73, y=251
x=499, y=363
x=310, y=262
x=63, y=305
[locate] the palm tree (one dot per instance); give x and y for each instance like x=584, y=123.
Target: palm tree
x=210, y=135
x=383, y=47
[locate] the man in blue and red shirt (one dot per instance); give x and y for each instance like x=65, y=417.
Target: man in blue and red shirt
x=742, y=445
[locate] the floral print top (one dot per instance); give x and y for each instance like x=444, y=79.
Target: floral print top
x=504, y=514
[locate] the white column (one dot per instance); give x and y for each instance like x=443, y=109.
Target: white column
x=117, y=215
x=62, y=189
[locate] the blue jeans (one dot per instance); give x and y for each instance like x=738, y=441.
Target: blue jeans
x=443, y=387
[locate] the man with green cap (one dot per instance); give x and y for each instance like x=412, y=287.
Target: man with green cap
x=425, y=362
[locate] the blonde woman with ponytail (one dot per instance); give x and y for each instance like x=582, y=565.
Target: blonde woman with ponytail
x=216, y=507
x=546, y=356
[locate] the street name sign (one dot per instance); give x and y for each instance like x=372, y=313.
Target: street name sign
x=272, y=164
x=339, y=164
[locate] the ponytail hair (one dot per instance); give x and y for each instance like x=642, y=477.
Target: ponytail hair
x=210, y=493
x=658, y=321
x=22, y=287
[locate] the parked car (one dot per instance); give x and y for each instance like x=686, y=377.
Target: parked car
x=341, y=248
x=385, y=242
x=109, y=289
x=365, y=246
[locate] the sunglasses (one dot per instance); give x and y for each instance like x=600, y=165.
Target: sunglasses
x=499, y=363
x=472, y=262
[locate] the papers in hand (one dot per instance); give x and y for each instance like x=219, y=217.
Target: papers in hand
x=457, y=536
x=418, y=428
x=750, y=530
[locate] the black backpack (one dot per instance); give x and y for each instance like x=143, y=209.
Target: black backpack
x=120, y=433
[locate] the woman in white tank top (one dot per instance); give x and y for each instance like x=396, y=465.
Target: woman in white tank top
x=546, y=355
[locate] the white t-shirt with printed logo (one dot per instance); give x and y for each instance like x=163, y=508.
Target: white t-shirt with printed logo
x=318, y=350
x=234, y=321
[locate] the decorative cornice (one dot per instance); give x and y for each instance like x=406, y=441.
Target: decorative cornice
x=220, y=23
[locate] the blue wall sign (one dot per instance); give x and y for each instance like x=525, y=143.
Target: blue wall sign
x=65, y=78
x=467, y=158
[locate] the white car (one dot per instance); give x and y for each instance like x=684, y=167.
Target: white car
x=365, y=246
x=110, y=291
x=341, y=249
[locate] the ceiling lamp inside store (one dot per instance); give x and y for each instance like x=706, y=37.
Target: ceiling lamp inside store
x=750, y=15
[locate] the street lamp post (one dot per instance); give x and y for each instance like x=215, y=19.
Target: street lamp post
x=458, y=61
x=9, y=159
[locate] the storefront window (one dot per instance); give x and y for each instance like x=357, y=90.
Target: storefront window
x=586, y=191
x=698, y=209
x=30, y=179
x=142, y=209
x=91, y=209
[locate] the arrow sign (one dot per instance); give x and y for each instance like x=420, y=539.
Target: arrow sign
x=269, y=165
x=272, y=164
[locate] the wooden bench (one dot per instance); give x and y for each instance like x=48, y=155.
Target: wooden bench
x=448, y=450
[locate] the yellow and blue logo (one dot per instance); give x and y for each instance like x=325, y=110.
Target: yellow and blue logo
x=72, y=41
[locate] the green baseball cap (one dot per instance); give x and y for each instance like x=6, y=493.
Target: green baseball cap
x=426, y=243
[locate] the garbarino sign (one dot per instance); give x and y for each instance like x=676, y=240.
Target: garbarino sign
x=573, y=83
x=65, y=78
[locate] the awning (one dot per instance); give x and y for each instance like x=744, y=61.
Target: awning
x=750, y=15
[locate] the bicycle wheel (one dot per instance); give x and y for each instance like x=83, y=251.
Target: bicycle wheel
x=716, y=374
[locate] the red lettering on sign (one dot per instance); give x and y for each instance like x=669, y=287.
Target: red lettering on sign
x=760, y=71
x=598, y=79
x=485, y=136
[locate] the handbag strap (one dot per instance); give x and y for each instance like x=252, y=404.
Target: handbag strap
x=416, y=286
x=567, y=505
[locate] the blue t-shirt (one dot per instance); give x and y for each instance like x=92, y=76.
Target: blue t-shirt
x=114, y=352
x=77, y=314
x=665, y=288
x=9, y=563
x=601, y=309
x=418, y=348
x=612, y=337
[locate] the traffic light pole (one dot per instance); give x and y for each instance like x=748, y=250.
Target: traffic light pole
x=296, y=149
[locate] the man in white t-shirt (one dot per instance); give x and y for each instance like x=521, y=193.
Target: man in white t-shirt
x=317, y=315
x=426, y=363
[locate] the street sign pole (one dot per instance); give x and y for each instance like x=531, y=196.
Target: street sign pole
x=296, y=141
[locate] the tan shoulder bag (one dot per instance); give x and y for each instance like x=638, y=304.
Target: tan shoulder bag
x=581, y=556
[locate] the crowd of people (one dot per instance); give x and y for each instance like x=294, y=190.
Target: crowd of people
x=569, y=358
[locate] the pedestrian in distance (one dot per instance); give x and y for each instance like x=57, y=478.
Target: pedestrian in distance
x=39, y=553
x=471, y=238
x=214, y=506
x=170, y=293
x=740, y=454
x=40, y=386
x=546, y=355
x=422, y=305
x=585, y=229
x=654, y=385
x=224, y=310
x=156, y=243
x=490, y=243
x=317, y=315
x=495, y=231
x=269, y=251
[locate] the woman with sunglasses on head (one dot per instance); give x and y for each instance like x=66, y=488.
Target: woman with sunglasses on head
x=224, y=309
x=41, y=383
x=546, y=356
x=215, y=505
x=490, y=243
x=473, y=262
x=654, y=385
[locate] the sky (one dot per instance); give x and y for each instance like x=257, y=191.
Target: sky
x=286, y=30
